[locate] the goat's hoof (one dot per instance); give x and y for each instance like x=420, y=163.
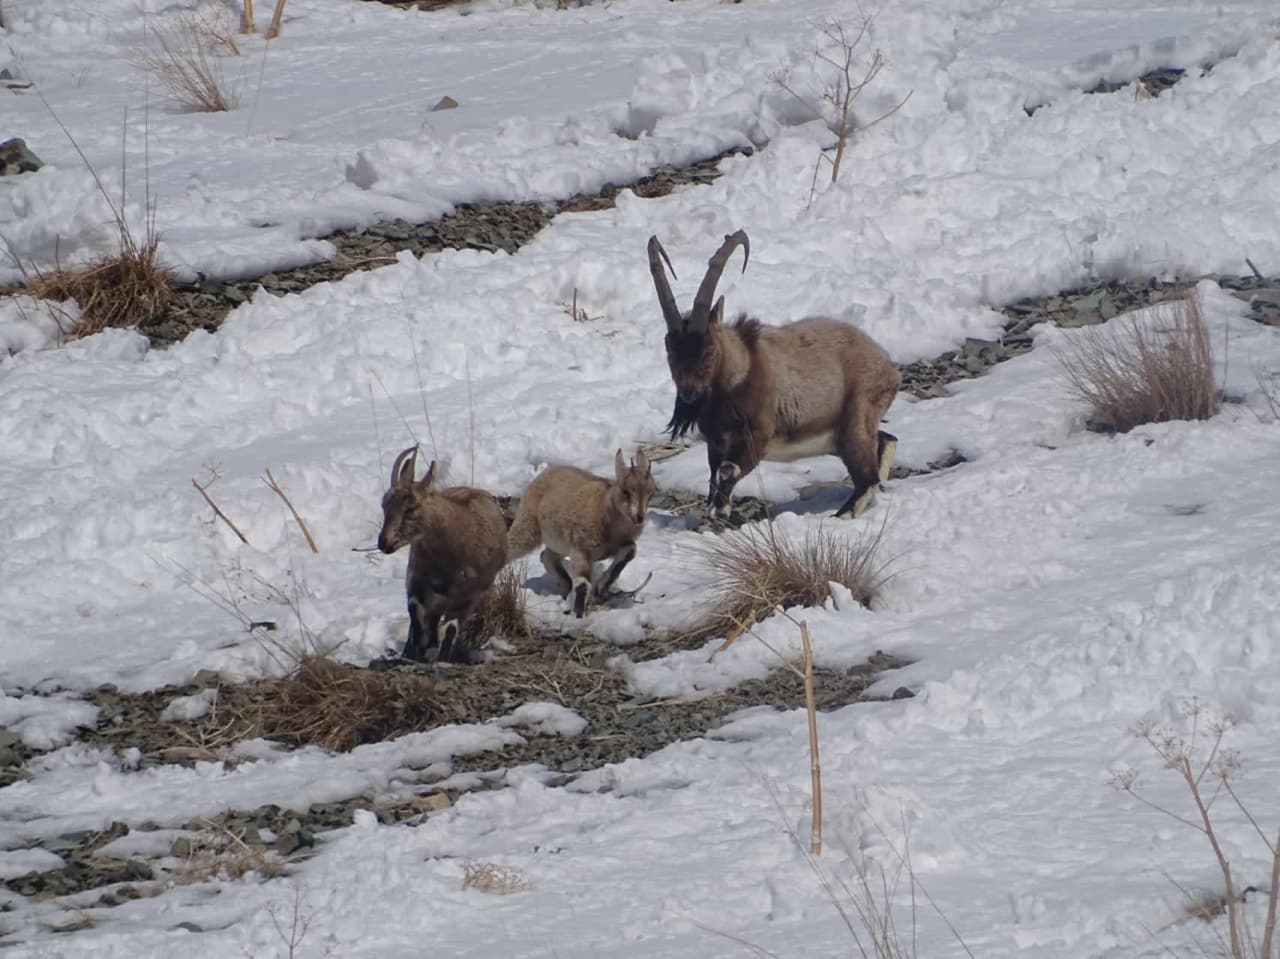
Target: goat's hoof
x=857, y=504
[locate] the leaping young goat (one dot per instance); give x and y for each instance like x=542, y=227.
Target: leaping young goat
x=813, y=387
x=585, y=519
x=457, y=543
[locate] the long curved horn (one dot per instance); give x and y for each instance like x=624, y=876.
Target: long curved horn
x=411, y=454
x=701, y=311
x=657, y=257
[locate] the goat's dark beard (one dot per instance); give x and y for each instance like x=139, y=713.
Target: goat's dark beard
x=685, y=416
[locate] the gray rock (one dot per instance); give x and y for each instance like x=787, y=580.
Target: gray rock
x=16, y=158
x=445, y=103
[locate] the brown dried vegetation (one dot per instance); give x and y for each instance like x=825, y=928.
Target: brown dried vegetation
x=758, y=570
x=339, y=707
x=1132, y=372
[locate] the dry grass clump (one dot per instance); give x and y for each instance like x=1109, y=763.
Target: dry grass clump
x=337, y=706
x=503, y=613
x=184, y=57
x=1130, y=373
x=758, y=571
x=494, y=879
x=125, y=289
x=220, y=853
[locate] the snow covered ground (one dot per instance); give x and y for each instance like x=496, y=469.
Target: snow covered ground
x=1052, y=590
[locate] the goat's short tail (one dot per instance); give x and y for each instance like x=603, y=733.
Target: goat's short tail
x=526, y=532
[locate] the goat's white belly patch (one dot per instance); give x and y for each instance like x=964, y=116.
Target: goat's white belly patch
x=780, y=450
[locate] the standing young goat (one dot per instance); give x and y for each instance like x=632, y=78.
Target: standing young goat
x=457, y=543
x=816, y=386
x=586, y=518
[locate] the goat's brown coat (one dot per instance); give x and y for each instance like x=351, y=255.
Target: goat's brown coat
x=755, y=392
x=585, y=518
x=457, y=542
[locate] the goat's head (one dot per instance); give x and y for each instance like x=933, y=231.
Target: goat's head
x=402, y=502
x=635, y=485
x=693, y=351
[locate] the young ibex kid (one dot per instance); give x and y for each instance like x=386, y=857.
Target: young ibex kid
x=457, y=542
x=812, y=387
x=586, y=518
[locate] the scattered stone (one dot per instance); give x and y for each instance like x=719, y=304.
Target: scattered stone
x=902, y=693
x=16, y=158
x=445, y=103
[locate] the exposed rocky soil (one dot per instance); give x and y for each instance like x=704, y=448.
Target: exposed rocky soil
x=473, y=226
x=572, y=670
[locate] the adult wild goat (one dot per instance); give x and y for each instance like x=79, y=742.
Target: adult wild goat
x=457, y=543
x=586, y=518
x=816, y=386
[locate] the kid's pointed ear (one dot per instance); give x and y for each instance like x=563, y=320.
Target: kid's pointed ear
x=619, y=466
x=405, y=466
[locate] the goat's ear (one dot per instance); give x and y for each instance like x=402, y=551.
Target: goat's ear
x=405, y=465
x=717, y=313
x=430, y=478
x=619, y=466
x=642, y=463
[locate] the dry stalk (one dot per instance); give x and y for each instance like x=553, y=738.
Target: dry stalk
x=1197, y=759
x=1130, y=373
x=203, y=491
x=247, y=24
x=277, y=18
x=815, y=762
x=302, y=524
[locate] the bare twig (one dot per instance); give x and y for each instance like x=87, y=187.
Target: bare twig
x=1256, y=271
x=815, y=762
x=277, y=17
x=217, y=512
x=839, y=51
x=302, y=524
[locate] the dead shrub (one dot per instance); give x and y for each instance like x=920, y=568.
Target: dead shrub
x=128, y=288
x=1133, y=372
x=339, y=707
x=502, y=614
x=495, y=879
x=217, y=852
x=757, y=571
x=184, y=57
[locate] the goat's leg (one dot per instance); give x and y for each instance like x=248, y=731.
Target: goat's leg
x=553, y=563
x=448, y=636
x=609, y=579
x=741, y=456
x=887, y=447
x=580, y=565
x=859, y=447
x=422, y=630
